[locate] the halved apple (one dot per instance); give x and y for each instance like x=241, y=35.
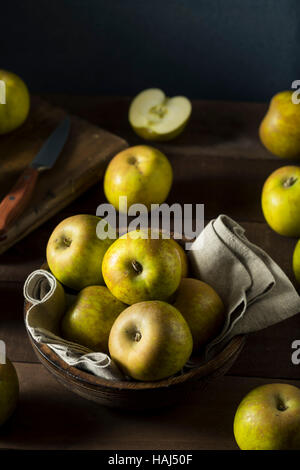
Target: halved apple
x=153, y=116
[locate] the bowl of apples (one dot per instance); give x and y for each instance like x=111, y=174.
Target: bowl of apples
x=137, y=299
x=144, y=309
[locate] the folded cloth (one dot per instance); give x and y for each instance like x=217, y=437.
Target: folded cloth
x=255, y=291
x=49, y=302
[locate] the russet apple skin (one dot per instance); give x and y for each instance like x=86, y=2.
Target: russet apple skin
x=203, y=310
x=296, y=261
x=137, y=269
x=75, y=253
x=268, y=418
x=150, y=341
x=281, y=201
x=280, y=128
x=9, y=390
x=141, y=173
x=89, y=319
x=183, y=257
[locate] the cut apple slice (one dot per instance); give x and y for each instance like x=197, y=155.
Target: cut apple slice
x=153, y=116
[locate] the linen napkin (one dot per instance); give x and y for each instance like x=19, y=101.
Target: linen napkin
x=42, y=321
x=254, y=289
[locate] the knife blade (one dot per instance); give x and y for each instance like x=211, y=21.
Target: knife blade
x=19, y=196
x=53, y=146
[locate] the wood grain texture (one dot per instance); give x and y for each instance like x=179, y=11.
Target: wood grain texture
x=80, y=165
x=69, y=422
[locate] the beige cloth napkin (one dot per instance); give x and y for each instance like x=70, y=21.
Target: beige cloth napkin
x=42, y=321
x=254, y=289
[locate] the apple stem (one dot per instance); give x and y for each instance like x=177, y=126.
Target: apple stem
x=137, y=336
x=137, y=266
x=289, y=182
x=280, y=405
x=67, y=241
x=131, y=160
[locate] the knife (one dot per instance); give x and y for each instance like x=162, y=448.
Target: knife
x=19, y=196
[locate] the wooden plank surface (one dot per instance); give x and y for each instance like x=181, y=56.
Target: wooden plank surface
x=80, y=165
x=218, y=161
x=69, y=422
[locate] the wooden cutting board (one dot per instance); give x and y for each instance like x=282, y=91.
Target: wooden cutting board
x=80, y=165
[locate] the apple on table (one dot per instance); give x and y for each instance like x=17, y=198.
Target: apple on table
x=280, y=128
x=268, y=418
x=296, y=261
x=154, y=116
x=281, y=201
x=9, y=390
x=15, y=110
x=141, y=173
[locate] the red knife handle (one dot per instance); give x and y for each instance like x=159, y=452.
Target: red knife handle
x=17, y=199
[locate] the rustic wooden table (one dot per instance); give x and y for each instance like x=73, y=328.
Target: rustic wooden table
x=220, y=162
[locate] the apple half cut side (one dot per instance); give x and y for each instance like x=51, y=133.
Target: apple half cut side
x=153, y=116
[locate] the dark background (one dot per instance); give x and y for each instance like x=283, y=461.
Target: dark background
x=215, y=49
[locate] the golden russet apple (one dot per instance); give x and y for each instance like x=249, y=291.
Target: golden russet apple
x=136, y=269
x=183, y=257
x=280, y=128
x=281, y=201
x=9, y=390
x=296, y=261
x=150, y=341
x=143, y=174
x=202, y=309
x=16, y=108
x=268, y=418
x=89, y=319
x=75, y=253
x=154, y=116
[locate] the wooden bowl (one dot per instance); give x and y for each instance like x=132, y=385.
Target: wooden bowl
x=137, y=395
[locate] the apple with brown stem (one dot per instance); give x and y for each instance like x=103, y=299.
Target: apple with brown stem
x=150, y=341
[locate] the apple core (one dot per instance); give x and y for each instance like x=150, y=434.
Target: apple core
x=154, y=116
